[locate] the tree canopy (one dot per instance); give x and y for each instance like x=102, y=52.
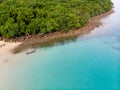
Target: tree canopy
x=25, y=17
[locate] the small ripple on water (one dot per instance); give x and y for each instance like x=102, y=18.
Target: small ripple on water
x=118, y=39
x=116, y=48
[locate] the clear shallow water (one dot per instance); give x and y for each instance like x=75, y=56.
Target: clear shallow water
x=91, y=62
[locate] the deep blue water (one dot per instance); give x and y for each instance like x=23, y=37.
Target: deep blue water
x=91, y=62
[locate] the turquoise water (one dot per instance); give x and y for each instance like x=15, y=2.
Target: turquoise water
x=91, y=62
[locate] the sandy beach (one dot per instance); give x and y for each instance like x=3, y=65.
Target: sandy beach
x=5, y=50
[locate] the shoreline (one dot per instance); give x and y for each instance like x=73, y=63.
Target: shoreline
x=5, y=50
x=7, y=47
x=34, y=41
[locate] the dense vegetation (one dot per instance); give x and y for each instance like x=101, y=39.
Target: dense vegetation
x=25, y=17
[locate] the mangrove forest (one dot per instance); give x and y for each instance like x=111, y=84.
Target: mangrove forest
x=27, y=17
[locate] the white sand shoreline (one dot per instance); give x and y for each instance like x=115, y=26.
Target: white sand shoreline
x=5, y=49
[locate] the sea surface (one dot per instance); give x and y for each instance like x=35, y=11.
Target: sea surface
x=90, y=62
